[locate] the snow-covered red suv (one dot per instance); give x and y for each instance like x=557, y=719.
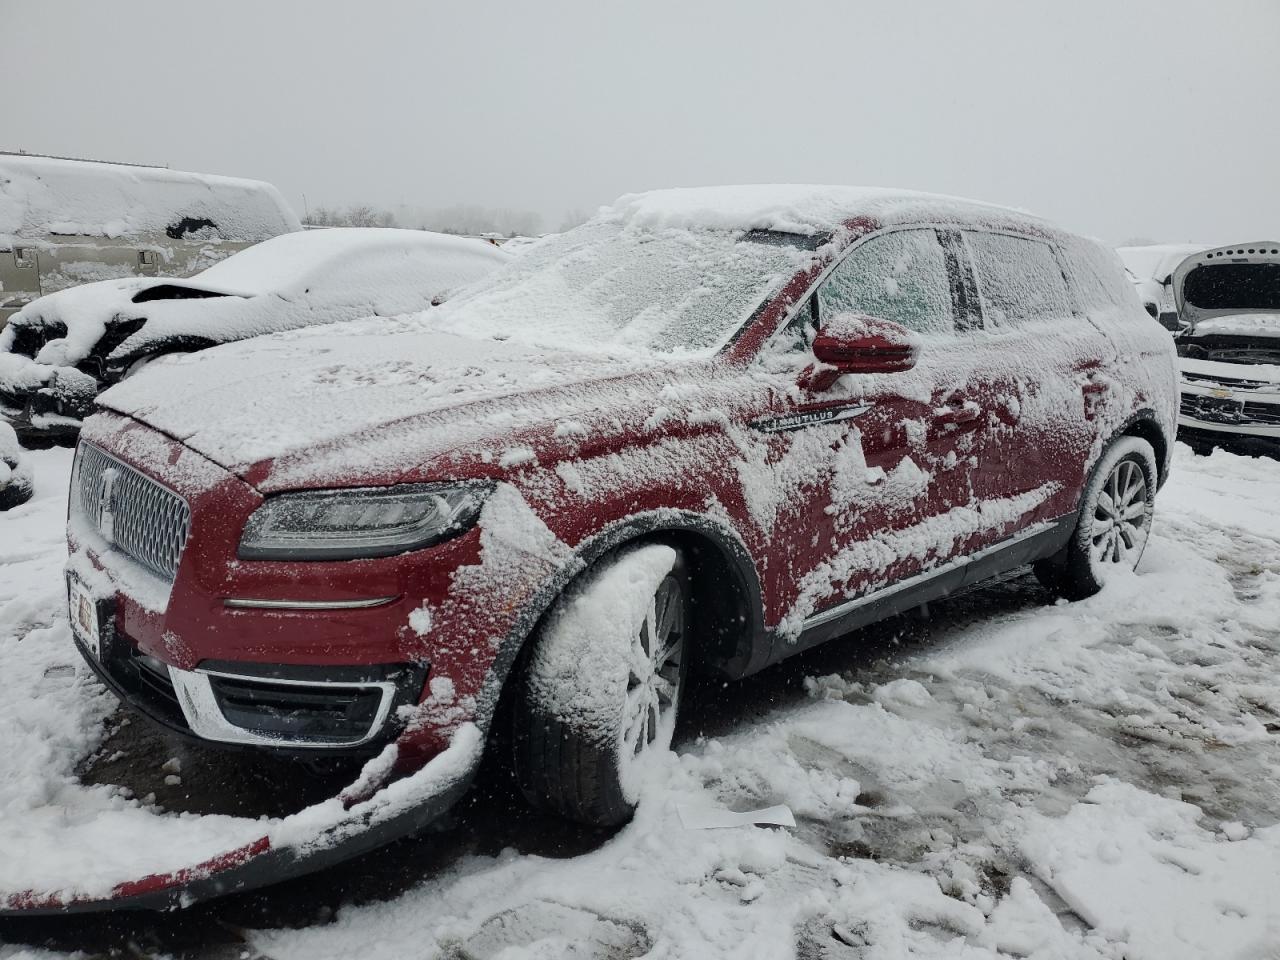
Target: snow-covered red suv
x=706, y=430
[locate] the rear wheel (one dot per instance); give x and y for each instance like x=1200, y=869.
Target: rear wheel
x=1114, y=524
x=599, y=699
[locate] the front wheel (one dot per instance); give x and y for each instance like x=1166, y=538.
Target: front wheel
x=1114, y=524
x=599, y=698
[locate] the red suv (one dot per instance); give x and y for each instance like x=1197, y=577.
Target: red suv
x=704, y=431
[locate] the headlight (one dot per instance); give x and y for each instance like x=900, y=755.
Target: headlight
x=361, y=522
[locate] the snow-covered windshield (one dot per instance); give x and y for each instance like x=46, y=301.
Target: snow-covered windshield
x=608, y=284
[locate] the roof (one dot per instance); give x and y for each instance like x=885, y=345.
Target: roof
x=794, y=208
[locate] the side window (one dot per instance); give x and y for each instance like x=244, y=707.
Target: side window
x=1018, y=279
x=900, y=276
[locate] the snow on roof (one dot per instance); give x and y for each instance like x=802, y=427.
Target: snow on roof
x=44, y=195
x=1157, y=261
x=793, y=208
x=295, y=260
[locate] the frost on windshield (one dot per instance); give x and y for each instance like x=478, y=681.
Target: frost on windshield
x=607, y=284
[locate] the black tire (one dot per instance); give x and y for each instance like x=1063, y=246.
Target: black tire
x=580, y=698
x=1106, y=539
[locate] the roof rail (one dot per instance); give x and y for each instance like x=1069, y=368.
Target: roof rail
x=52, y=156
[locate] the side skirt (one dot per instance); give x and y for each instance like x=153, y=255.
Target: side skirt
x=1025, y=547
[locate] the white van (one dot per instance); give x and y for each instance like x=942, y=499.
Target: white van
x=64, y=222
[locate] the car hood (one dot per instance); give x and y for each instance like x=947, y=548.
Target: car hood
x=364, y=401
x=1231, y=290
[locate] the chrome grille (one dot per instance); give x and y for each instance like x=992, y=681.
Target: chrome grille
x=1235, y=383
x=134, y=513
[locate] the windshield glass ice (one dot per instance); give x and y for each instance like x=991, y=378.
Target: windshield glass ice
x=607, y=284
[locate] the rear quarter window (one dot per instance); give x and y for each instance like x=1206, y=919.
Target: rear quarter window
x=1098, y=277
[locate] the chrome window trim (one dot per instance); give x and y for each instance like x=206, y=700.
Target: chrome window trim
x=253, y=603
x=205, y=718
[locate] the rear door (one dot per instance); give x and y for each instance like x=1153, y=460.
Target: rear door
x=1045, y=382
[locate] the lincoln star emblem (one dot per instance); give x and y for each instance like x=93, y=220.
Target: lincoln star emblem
x=106, y=518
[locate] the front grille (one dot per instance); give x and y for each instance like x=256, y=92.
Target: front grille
x=137, y=515
x=1235, y=383
x=1229, y=411
x=1262, y=412
x=296, y=712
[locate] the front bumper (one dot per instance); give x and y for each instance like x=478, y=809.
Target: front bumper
x=350, y=711
x=227, y=643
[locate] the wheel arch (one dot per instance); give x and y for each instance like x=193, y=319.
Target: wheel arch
x=726, y=592
x=1145, y=426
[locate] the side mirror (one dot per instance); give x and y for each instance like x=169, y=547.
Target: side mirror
x=855, y=343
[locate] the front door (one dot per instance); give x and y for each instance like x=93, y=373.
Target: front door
x=872, y=474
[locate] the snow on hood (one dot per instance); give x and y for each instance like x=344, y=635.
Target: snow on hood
x=287, y=396
x=1240, y=325
x=43, y=195
x=290, y=281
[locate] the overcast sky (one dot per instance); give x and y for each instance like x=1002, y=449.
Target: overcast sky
x=1116, y=118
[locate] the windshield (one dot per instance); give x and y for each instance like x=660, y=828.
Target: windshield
x=607, y=284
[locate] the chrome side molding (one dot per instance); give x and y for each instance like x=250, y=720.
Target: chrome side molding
x=254, y=603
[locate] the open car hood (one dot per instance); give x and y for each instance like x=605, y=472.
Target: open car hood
x=1231, y=290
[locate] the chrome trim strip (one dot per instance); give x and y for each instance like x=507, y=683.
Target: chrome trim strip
x=205, y=718
x=848, y=606
x=252, y=603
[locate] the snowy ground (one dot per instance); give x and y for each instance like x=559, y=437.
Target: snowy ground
x=1005, y=777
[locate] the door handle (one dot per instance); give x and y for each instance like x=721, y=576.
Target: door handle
x=964, y=415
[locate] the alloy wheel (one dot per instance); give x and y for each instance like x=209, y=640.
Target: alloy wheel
x=1120, y=516
x=655, y=672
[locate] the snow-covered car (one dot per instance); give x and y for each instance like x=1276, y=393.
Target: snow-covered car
x=15, y=471
x=704, y=431
x=60, y=351
x=1150, y=270
x=64, y=222
x=1228, y=340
